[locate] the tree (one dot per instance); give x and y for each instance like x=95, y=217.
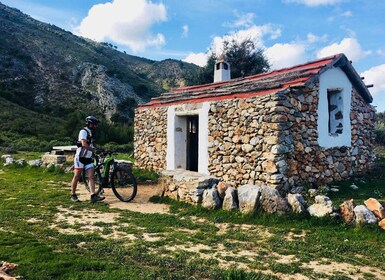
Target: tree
x=244, y=58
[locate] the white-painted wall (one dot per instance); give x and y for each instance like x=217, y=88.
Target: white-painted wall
x=334, y=78
x=177, y=135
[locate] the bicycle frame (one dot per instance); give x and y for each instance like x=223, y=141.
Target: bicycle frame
x=105, y=162
x=109, y=173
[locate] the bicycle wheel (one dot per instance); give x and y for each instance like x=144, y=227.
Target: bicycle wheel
x=123, y=184
x=98, y=181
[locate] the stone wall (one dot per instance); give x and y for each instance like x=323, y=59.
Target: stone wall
x=273, y=140
x=150, y=138
x=310, y=163
x=266, y=140
x=243, y=140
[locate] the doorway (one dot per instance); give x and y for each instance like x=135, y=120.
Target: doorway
x=192, y=143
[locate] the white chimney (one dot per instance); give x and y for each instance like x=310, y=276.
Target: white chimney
x=221, y=70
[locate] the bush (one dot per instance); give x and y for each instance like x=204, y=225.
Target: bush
x=380, y=133
x=119, y=148
x=143, y=175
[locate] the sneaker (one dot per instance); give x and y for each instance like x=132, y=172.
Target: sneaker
x=74, y=198
x=96, y=197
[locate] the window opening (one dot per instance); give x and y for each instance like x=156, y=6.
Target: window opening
x=335, y=108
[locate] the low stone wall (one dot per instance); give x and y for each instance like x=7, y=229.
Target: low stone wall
x=68, y=151
x=53, y=159
x=186, y=185
x=195, y=188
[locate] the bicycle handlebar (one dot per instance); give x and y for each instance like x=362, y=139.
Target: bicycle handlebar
x=104, y=152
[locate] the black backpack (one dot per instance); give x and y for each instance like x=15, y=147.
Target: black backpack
x=90, y=139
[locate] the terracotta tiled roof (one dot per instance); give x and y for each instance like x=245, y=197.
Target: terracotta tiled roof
x=261, y=84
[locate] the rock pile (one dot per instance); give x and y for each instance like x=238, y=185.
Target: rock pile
x=371, y=212
x=8, y=160
x=194, y=188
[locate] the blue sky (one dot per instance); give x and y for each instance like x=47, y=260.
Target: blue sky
x=289, y=31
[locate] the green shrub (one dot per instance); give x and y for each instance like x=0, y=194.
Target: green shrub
x=143, y=175
x=380, y=133
x=119, y=148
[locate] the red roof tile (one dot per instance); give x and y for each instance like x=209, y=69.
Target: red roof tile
x=260, y=84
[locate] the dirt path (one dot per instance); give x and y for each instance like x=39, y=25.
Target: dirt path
x=245, y=254
x=140, y=203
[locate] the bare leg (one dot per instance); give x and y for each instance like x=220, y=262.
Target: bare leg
x=91, y=176
x=75, y=180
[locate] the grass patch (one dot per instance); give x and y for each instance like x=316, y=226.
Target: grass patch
x=190, y=240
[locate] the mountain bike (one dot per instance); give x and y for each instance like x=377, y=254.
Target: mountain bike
x=111, y=173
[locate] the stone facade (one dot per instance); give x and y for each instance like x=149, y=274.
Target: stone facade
x=150, y=138
x=311, y=163
x=243, y=138
x=271, y=138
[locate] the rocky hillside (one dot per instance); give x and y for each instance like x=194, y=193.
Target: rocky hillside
x=51, y=71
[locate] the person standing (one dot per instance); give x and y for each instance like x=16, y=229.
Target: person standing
x=83, y=159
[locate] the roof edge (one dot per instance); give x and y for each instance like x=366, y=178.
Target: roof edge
x=346, y=66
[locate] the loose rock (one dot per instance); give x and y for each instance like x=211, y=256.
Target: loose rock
x=376, y=207
x=272, y=202
x=248, y=196
x=296, y=202
x=323, y=206
x=211, y=199
x=347, y=210
x=230, y=201
x=364, y=215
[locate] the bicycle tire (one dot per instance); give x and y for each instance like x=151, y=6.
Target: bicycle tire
x=98, y=181
x=123, y=184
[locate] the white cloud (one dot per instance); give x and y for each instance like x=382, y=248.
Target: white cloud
x=199, y=59
x=314, y=3
x=255, y=33
x=243, y=20
x=286, y=55
x=124, y=22
x=185, y=31
x=311, y=38
x=349, y=46
x=375, y=76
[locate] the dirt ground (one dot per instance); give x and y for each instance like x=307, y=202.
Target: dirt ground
x=88, y=221
x=140, y=203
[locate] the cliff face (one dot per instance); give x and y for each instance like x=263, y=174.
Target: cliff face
x=45, y=68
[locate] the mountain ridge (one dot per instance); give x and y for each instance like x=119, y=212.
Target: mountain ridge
x=47, y=69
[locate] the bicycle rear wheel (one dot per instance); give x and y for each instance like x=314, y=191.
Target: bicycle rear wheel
x=98, y=181
x=123, y=184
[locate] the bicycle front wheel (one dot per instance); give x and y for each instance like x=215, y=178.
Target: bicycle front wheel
x=123, y=184
x=98, y=181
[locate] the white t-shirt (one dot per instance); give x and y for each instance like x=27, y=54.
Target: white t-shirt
x=83, y=136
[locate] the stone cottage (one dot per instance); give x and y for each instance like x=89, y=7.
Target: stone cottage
x=308, y=124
